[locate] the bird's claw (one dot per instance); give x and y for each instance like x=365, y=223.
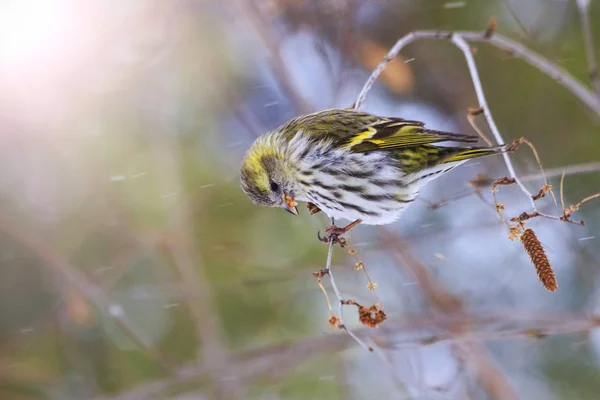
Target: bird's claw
x=333, y=235
x=322, y=239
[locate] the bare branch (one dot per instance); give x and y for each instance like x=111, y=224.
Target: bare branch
x=60, y=264
x=258, y=22
x=516, y=49
x=464, y=47
x=568, y=170
x=459, y=40
x=562, y=197
x=338, y=294
x=410, y=331
x=490, y=375
x=584, y=11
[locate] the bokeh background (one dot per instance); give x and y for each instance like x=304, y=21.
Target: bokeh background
x=132, y=266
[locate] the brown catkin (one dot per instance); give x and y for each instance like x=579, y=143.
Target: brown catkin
x=536, y=252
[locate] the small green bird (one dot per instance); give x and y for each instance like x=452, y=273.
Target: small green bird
x=350, y=164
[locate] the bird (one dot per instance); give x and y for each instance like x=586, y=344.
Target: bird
x=351, y=165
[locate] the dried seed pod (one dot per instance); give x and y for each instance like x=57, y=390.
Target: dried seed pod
x=504, y=181
x=513, y=232
x=542, y=193
x=320, y=274
x=473, y=112
x=491, y=28
x=525, y=216
x=334, y=322
x=371, y=316
x=536, y=252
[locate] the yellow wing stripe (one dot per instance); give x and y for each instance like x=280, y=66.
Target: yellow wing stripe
x=359, y=138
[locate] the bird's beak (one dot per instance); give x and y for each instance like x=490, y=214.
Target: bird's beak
x=289, y=204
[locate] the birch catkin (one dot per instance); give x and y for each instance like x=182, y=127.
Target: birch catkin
x=536, y=252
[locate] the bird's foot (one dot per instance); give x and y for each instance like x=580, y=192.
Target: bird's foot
x=334, y=234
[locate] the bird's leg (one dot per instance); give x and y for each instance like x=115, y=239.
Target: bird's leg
x=312, y=208
x=335, y=232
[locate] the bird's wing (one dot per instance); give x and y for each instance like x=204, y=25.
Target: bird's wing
x=361, y=132
x=398, y=133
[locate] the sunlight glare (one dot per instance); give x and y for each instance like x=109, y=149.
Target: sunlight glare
x=32, y=31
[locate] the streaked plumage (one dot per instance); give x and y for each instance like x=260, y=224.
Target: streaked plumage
x=351, y=164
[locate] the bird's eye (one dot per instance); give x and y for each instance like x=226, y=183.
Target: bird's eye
x=274, y=186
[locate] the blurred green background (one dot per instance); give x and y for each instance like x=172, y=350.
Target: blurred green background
x=132, y=266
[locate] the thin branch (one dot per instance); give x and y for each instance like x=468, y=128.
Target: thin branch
x=569, y=170
x=562, y=197
x=360, y=265
x=516, y=49
x=547, y=186
x=60, y=264
x=558, y=74
x=391, y=55
x=479, y=131
x=586, y=27
x=516, y=18
x=410, y=331
x=592, y=197
x=550, y=173
x=263, y=30
x=464, y=47
x=458, y=39
x=490, y=374
x=338, y=294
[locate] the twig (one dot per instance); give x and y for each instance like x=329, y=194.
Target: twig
x=499, y=206
x=562, y=197
x=594, y=196
x=569, y=170
x=471, y=119
x=547, y=186
x=360, y=265
x=464, y=47
x=262, y=28
x=338, y=294
x=558, y=74
x=60, y=264
x=410, y=331
x=555, y=72
x=516, y=18
x=490, y=374
x=485, y=182
x=320, y=284
x=458, y=39
x=584, y=11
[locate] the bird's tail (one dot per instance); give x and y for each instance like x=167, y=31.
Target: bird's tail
x=456, y=154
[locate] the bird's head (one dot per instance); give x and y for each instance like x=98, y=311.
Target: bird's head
x=266, y=176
